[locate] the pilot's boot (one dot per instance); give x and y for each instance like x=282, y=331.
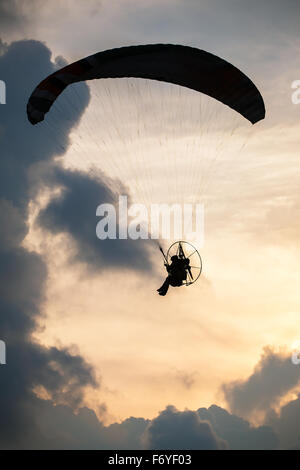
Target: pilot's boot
x=164, y=288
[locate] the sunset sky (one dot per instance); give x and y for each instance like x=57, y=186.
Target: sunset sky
x=95, y=358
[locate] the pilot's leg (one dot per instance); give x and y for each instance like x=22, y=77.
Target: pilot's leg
x=164, y=288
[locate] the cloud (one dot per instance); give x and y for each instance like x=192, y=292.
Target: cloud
x=22, y=66
x=286, y=424
x=273, y=377
x=74, y=213
x=59, y=427
x=13, y=227
x=237, y=432
x=30, y=366
x=187, y=379
x=174, y=429
x=128, y=434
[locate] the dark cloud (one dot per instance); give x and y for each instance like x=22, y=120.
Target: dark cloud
x=30, y=366
x=237, y=432
x=22, y=66
x=58, y=427
x=128, y=434
x=273, y=377
x=61, y=374
x=286, y=424
x=174, y=429
x=13, y=227
x=74, y=213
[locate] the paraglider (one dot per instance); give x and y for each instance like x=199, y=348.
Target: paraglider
x=178, y=261
x=185, y=66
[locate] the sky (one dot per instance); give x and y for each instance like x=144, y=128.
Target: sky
x=95, y=358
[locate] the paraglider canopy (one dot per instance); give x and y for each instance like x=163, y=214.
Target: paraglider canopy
x=181, y=65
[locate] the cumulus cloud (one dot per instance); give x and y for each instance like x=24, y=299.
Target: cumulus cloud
x=237, y=432
x=174, y=429
x=273, y=377
x=286, y=424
